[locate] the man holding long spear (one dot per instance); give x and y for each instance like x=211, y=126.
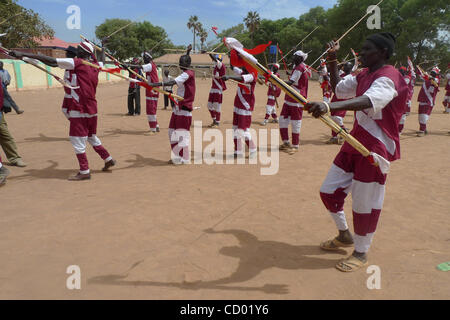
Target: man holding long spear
x=427, y=98
x=181, y=120
x=292, y=112
x=83, y=108
x=378, y=95
x=151, y=74
x=217, y=88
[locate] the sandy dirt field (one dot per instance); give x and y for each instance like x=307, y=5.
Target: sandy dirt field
x=153, y=231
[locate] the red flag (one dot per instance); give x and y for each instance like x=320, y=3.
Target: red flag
x=113, y=70
x=258, y=49
x=282, y=58
x=237, y=61
x=214, y=29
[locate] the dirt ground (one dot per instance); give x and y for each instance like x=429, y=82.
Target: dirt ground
x=153, y=231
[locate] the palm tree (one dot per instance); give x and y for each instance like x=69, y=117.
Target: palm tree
x=194, y=24
x=252, y=22
x=203, y=34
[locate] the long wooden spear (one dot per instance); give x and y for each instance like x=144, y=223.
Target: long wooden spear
x=347, y=32
x=35, y=64
x=287, y=54
x=127, y=78
x=131, y=70
x=156, y=45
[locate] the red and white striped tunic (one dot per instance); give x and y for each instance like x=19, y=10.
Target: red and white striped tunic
x=377, y=128
x=218, y=85
x=427, y=95
x=272, y=93
x=245, y=97
x=151, y=74
x=84, y=103
x=300, y=78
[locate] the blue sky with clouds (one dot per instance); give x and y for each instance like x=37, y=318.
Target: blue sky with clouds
x=172, y=15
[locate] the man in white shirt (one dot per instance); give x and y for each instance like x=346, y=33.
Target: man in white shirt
x=378, y=95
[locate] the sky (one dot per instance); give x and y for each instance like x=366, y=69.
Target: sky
x=172, y=15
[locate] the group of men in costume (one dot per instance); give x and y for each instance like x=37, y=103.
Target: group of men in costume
x=378, y=94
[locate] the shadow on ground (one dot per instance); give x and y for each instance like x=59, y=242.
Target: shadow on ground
x=255, y=256
x=52, y=171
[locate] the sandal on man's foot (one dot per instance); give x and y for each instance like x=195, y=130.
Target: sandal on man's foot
x=334, y=245
x=351, y=264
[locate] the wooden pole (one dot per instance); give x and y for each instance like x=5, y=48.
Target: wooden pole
x=131, y=70
x=128, y=79
x=298, y=97
x=347, y=32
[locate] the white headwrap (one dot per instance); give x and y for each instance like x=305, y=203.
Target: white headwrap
x=300, y=53
x=86, y=46
x=147, y=54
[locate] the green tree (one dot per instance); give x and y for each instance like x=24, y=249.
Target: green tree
x=133, y=40
x=422, y=31
x=422, y=28
x=152, y=38
x=195, y=25
x=203, y=37
x=419, y=25
x=23, y=27
x=307, y=22
x=252, y=22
